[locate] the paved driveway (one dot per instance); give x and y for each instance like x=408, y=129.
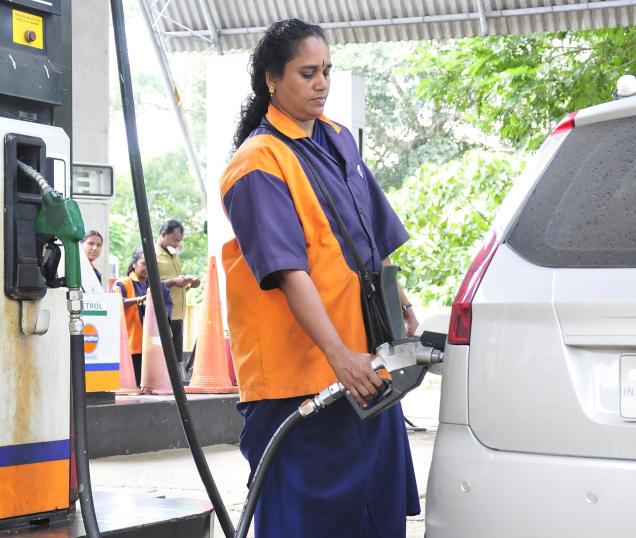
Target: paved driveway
x=171, y=473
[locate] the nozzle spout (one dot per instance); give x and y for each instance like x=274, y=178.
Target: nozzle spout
x=428, y=355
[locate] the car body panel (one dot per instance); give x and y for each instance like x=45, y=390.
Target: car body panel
x=477, y=492
x=530, y=391
x=537, y=434
x=454, y=395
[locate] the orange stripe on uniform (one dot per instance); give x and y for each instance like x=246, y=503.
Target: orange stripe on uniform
x=273, y=356
x=261, y=152
x=267, y=153
x=133, y=321
x=34, y=488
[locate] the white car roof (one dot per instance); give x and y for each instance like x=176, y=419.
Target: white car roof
x=614, y=110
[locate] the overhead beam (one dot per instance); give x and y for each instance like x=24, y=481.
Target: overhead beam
x=426, y=19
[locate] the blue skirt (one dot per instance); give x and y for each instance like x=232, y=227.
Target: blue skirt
x=334, y=474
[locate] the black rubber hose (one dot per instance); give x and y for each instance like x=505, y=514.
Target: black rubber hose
x=258, y=480
x=81, y=448
x=147, y=240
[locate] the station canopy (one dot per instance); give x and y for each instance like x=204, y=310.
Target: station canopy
x=221, y=25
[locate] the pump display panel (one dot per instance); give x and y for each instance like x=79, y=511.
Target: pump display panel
x=92, y=181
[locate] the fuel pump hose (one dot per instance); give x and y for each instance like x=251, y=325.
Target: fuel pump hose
x=307, y=408
x=145, y=229
x=260, y=474
x=85, y=491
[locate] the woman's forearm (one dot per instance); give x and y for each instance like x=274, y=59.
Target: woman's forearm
x=352, y=368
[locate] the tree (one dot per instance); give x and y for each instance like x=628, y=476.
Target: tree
x=519, y=86
x=447, y=209
x=172, y=194
x=402, y=130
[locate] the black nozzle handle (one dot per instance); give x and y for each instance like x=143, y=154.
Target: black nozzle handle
x=402, y=381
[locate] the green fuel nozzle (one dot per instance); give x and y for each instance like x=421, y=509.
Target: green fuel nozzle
x=61, y=218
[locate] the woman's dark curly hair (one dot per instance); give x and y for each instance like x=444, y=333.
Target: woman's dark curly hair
x=277, y=47
x=137, y=255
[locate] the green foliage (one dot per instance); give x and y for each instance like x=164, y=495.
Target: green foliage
x=402, y=130
x=435, y=111
x=447, y=209
x=172, y=194
x=519, y=86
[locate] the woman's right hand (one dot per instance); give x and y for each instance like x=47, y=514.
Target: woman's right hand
x=354, y=371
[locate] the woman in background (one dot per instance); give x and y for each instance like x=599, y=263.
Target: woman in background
x=134, y=289
x=92, y=245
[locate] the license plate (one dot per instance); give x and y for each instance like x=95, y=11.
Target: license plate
x=628, y=387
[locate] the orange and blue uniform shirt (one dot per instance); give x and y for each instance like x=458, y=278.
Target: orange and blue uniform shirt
x=130, y=287
x=334, y=475
x=281, y=221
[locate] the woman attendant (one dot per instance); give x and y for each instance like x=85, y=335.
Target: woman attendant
x=294, y=308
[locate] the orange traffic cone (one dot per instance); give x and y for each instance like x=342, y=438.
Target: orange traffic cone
x=127, y=382
x=154, y=373
x=211, y=373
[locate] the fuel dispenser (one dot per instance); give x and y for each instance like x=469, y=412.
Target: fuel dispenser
x=34, y=356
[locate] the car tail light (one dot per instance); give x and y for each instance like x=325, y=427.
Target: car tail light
x=462, y=312
x=566, y=124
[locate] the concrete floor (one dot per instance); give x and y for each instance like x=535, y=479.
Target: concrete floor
x=171, y=473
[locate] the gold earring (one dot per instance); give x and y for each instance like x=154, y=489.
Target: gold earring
x=272, y=90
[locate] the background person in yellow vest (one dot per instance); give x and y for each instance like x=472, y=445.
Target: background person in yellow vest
x=170, y=245
x=134, y=288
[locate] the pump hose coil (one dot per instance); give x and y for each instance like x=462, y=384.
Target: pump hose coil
x=145, y=230
x=85, y=492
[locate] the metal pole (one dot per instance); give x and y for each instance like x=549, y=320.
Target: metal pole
x=483, y=21
x=175, y=99
x=212, y=29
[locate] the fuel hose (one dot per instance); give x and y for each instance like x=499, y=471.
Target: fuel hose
x=145, y=229
x=260, y=474
x=85, y=491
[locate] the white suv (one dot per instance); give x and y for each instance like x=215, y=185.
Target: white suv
x=537, y=434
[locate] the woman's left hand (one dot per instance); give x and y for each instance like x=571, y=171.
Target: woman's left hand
x=410, y=320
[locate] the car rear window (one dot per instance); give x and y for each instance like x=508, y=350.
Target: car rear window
x=582, y=212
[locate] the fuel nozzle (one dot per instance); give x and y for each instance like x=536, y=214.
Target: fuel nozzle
x=59, y=217
x=407, y=362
